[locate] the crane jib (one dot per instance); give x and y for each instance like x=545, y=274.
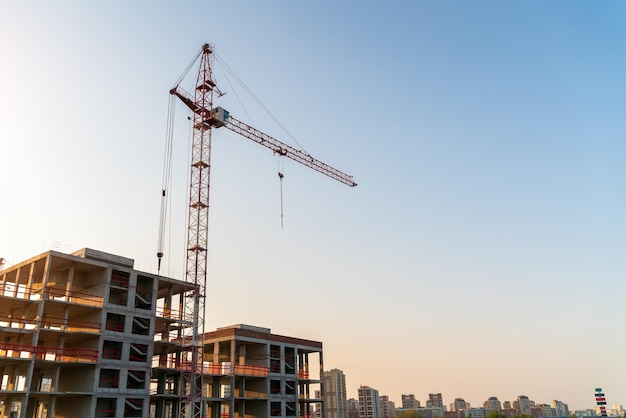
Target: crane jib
x=286, y=150
x=219, y=117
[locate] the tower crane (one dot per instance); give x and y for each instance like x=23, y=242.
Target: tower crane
x=206, y=117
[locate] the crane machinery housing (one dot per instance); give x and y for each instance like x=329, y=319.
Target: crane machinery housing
x=205, y=118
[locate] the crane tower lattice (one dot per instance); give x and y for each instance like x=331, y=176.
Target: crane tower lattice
x=205, y=118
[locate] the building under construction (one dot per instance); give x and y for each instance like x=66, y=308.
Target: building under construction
x=86, y=335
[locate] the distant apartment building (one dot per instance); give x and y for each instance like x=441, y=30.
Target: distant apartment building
x=507, y=405
x=474, y=413
x=410, y=402
x=389, y=407
x=370, y=405
x=353, y=408
x=335, y=395
x=547, y=410
x=541, y=411
x=460, y=406
x=523, y=405
x=509, y=412
x=586, y=413
x=561, y=410
x=434, y=412
x=434, y=400
x=492, y=404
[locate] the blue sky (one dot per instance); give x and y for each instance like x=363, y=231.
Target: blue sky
x=482, y=253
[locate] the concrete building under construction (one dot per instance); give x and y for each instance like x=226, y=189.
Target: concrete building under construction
x=86, y=335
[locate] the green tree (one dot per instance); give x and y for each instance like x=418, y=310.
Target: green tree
x=495, y=414
x=411, y=413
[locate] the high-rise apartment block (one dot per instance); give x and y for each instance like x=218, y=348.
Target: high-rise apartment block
x=353, y=408
x=523, y=405
x=335, y=395
x=85, y=335
x=410, y=402
x=370, y=405
x=541, y=411
x=388, y=407
x=434, y=400
x=492, y=404
x=560, y=409
x=460, y=406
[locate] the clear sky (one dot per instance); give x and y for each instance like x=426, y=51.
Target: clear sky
x=482, y=253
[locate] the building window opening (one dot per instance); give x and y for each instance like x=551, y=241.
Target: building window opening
x=143, y=293
x=133, y=407
x=112, y=350
x=141, y=326
x=290, y=387
x=119, y=279
x=105, y=407
x=290, y=360
x=115, y=322
x=109, y=378
x=275, y=409
x=138, y=352
x=136, y=379
x=275, y=386
x=274, y=366
x=118, y=296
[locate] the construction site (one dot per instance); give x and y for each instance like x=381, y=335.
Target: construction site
x=86, y=335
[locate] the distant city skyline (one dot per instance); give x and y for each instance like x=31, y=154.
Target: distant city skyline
x=522, y=403
x=338, y=403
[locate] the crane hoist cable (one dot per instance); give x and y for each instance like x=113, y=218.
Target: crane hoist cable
x=166, y=179
x=226, y=70
x=281, y=176
x=259, y=102
x=234, y=90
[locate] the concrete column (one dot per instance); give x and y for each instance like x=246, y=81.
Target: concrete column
x=70, y=281
x=322, y=388
x=216, y=354
x=29, y=284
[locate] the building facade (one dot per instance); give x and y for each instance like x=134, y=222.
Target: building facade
x=85, y=335
x=370, y=405
x=561, y=410
x=353, y=408
x=523, y=405
x=434, y=400
x=492, y=404
x=76, y=335
x=335, y=395
x=250, y=372
x=474, y=413
x=388, y=407
x=410, y=402
x=460, y=406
